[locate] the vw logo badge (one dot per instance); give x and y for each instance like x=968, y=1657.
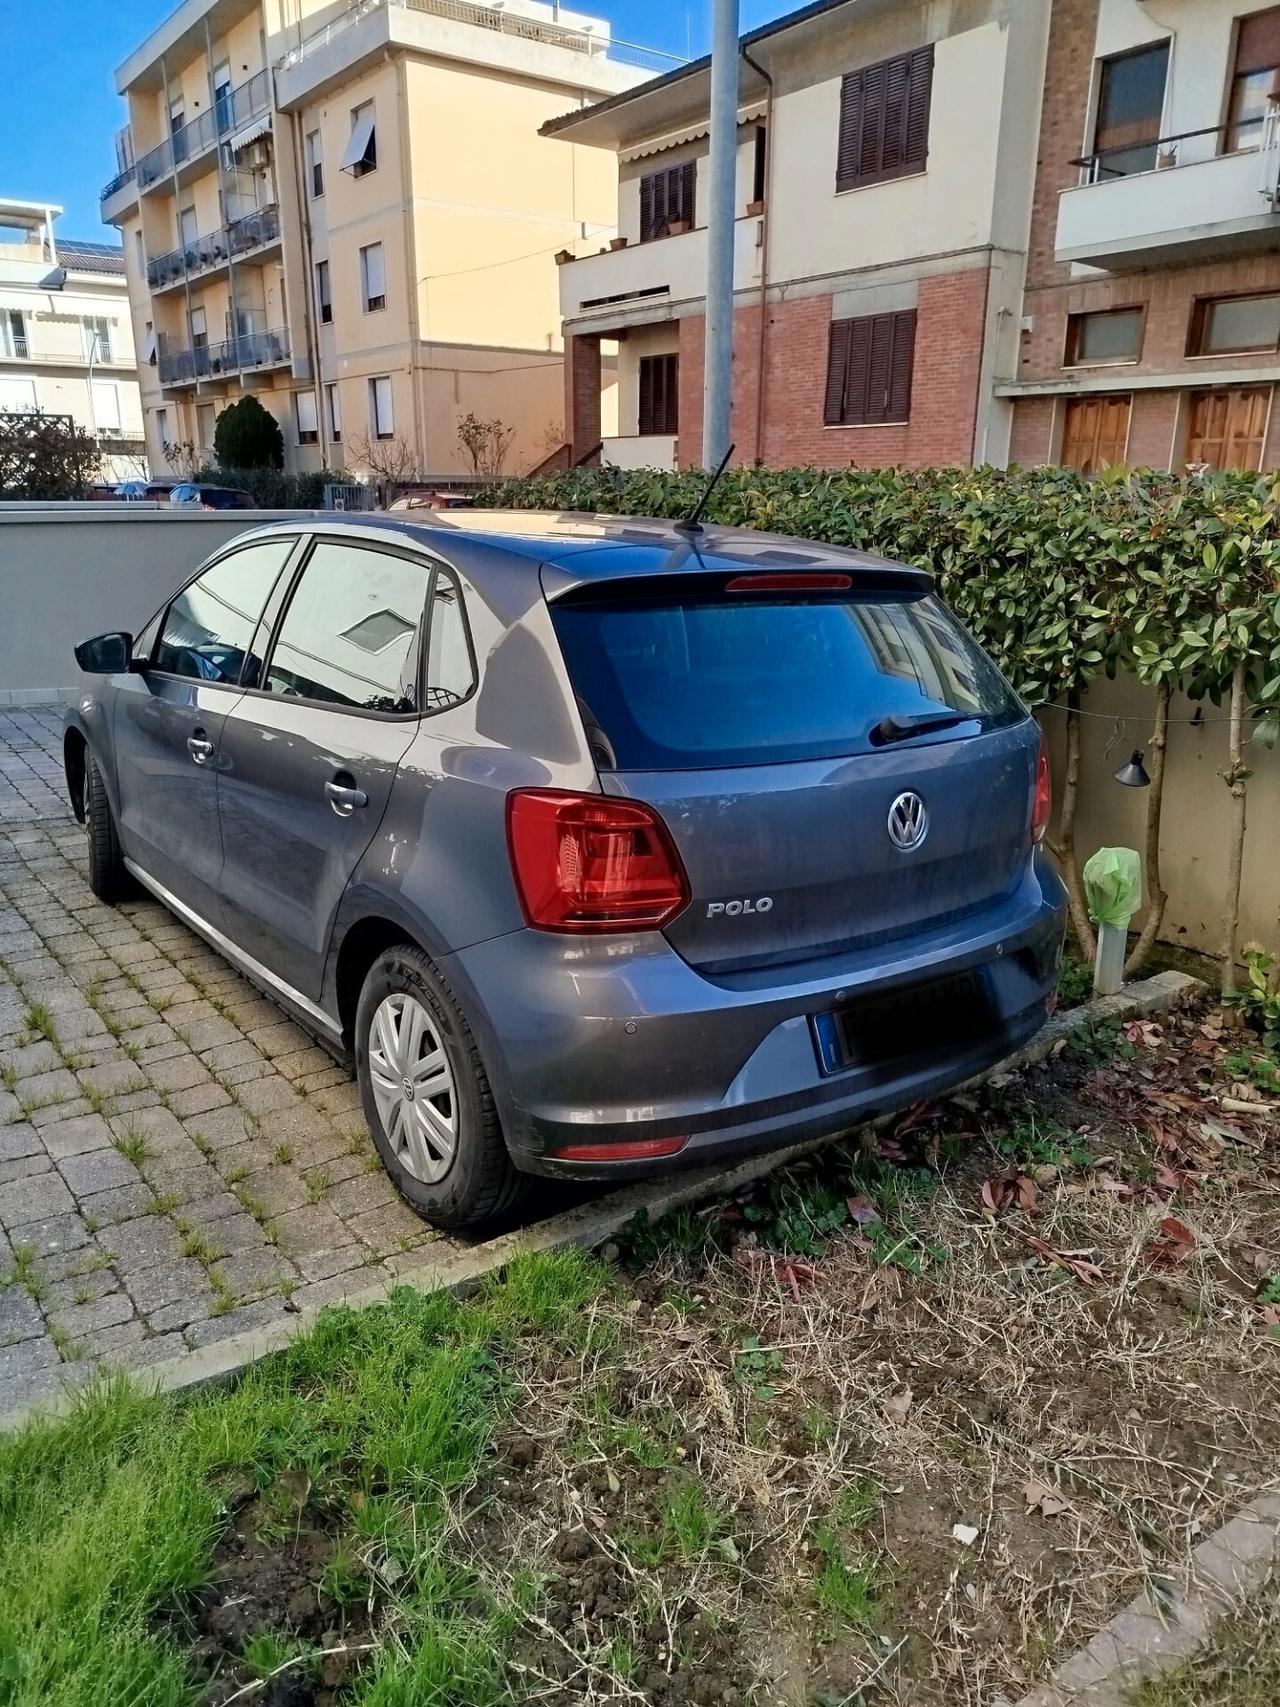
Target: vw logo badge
x=908, y=822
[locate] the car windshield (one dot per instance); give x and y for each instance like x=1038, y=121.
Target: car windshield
x=733, y=680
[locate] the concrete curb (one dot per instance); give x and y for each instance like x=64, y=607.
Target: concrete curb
x=1164, y=1626
x=588, y=1224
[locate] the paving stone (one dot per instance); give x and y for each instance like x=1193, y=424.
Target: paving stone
x=80, y=1288
x=155, y=1348
x=220, y=1127
x=383, y=1229
x=155, y=1124
x=252, y=1271
x=22, y=1358
x=35, y=1199
x=55, y=1113
x=77, y=1135
x=166, y=1284
x=107, y=1345
x=33, y=1059
x=260, y=1314
x=237, y=1051
x=322, y=1265
x=115, y=1078
x=100, y=1170
x=186, y=1185
x=323, y=1078
x=153, y=1054
x=121, y=1203
x=178, y=1074
x=138, y=1244
x=182, y=1313
x=208, y=1034
x=77, y=1320
x=313, y=1227
x=184, y=1017
x=277, y=1189
x=237, y=1232
x=63, y=1261
x=24, y=1167
x=46, y=1087
x=263, y=1096
x=20, y=1316
x=319, y=1293
x=362, y=1192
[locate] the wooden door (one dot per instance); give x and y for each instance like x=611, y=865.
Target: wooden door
x=1094, y=433
x=1225, y=429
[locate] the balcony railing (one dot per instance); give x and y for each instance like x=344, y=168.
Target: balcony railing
x=212, y=250
x=237, y=355
x=190, y=141
x=1186, y=148
x=119, y=182
x=497, y=19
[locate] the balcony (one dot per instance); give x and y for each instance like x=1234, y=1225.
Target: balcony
x=258, y=230
x=120, y=196
x=182, y=152
x=1175, y=199
x=250, y=352
x=638, y=284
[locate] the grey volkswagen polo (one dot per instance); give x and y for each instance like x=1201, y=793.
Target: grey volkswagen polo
x=602, y=846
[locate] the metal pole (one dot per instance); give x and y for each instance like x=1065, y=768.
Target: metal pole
x=724, y=150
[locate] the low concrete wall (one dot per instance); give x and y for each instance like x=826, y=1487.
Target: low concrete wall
x=1195, y=821
x=68, y=571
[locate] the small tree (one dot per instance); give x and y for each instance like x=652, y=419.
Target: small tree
x=393, y=462
x=45, y=457
x=248, y=436
x=184, y=459
x=485, y=443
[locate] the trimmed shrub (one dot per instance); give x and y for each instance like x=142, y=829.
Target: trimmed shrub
x=248, y=436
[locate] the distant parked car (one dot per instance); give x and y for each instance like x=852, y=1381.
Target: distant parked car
x=212, y=497
x=138, y=491
x=604, y=846
x=433, y=501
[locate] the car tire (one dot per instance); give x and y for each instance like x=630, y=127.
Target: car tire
x=108, y=878
x=443, y=1146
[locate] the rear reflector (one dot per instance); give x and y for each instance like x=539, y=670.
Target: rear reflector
x=590, y=863
x=638, y=1150
x=819, y=582
x=1042, y=798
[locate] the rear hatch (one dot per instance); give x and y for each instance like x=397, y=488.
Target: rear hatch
x=838, y=763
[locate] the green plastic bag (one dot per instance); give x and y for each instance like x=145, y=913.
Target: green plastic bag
x=1113, y=885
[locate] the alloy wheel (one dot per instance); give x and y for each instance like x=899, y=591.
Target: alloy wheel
x=413, y=1087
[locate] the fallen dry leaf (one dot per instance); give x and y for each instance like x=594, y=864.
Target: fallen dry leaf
x=1143, y=1031
x=1044, y=1499
x=898, y=1406
x=1079, y=1263
x=862, y=1211
x=1175, y=1246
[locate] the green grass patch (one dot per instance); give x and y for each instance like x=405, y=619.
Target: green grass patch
x=109, y=1519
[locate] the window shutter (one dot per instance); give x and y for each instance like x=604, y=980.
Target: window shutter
x=837, y=364
x=688, y=182
x=644, y=421
x=901, y=362
x=850, y=130
x=1258, y=41
x=871, y=142
x=919, y=96
x=857, y=382
x=646, y=209
x=879, y=364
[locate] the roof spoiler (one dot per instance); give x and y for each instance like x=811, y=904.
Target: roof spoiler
x=824, y=580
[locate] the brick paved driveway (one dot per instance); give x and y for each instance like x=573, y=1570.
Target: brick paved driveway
x=178, y=1161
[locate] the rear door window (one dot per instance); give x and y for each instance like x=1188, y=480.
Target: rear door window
x=350, y=633
x=208, y=628
x=737, y=679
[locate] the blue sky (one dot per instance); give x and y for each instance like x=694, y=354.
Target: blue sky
x=61, y=111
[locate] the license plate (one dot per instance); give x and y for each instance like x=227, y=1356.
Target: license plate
x=921, y=1019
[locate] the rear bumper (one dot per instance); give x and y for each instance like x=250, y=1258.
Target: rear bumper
x=599, y=1041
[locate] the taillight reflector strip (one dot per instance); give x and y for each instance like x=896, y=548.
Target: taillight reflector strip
x=1042, y=794
x=592, y=863
x=630, y=1150
x=806, y=582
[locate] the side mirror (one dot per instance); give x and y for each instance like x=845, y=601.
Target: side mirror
x=105, y=654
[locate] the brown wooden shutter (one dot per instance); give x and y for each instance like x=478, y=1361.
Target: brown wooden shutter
x=884, y=120
x=919, y=98
x=850, y=131
x=901, y=362
x=871, y=142
x=644, y=414
x=646, y=209
x=837, y=368
x=857, y=382
x=897, y=85
x=1258, y=41
x=688, y=181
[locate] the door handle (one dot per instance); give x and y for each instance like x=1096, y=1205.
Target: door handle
x=200, y=747
x=344, y=797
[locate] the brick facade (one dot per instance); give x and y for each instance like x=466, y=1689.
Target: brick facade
x=950, y=328
x=1157, y=427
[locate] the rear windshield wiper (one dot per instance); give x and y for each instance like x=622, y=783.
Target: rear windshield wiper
x=894, y=728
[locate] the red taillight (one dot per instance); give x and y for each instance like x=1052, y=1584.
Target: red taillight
x=587, y=862
x=635, y=1150
x=811, y=582
x=1042, y=799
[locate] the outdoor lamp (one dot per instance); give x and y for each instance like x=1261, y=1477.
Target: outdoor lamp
x=1133, y=774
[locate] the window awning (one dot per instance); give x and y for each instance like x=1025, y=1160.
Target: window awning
x=359, y=142
x=251, y=132
x=677, y=138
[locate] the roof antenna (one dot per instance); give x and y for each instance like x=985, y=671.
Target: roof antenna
x=693, y=524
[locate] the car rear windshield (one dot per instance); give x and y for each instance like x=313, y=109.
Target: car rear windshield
x=733, y=679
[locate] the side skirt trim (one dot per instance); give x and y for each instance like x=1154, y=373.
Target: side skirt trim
x=244, y=962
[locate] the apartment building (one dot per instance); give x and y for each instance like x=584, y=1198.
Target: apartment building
x=66, y=339
x=1152, y=314
x=348, y=211
x=885, y=168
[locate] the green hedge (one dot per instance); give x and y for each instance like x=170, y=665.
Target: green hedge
x=273, y=489
x=1060, y=576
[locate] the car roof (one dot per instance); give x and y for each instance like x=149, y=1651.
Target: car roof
x=579, y=546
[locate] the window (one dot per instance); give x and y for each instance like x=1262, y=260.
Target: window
x=149, y=344
x=334, y=405
x=1095, y=433
x=224, y=111
x=199, y=328
x=1225, y=429
x=381, y=414
x=362, y=145
x=349, y=635
x=315, y=164
x=1253, y=76
x=450, y=671
x=304, y=409
x=1234, y=325
x=884, y=120
x=677, y=683
x=869, y=363
x=140, y=246
x=1130, y=105
x=162, y=427
x=188, y=229
x=322, y=293
x=13, y=333
x=659, y=385
x=177, y=123
x=667, y=199
x=97, y=339
x=373, y=278
x=106, y=406
x=759, y=165
x=208, y=627
x=1112, y=335
x=206, y=420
